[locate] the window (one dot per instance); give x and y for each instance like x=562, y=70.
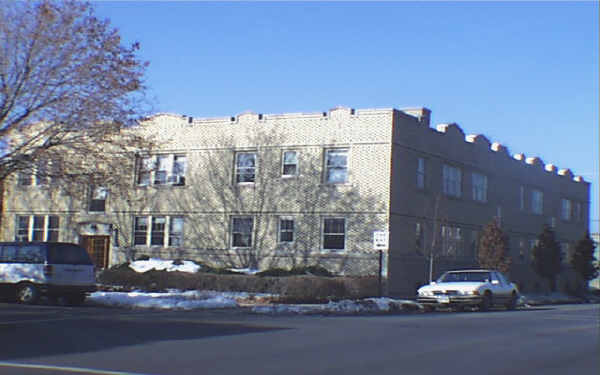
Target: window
x=157, y=234
x=565, y=209
x=98, y=199
x=43, y=228
x=290, y=164
x=522, y=198
x=334, y=234
x=577, y=214
x=24, y=178
x=176, y=232
x=480, y=185
x=474, y=243
x=241, y=231
x=245, y=167
x=179, y=167
x=522, y=250
x=140, y=231
x=419, y=243
x=161, y=170
x=421, y=173
x=564, y=253
x=451, y=241
x=336, y=166
x=537, y=202
x=286, y=230
x=452, y=181
x=158, y=231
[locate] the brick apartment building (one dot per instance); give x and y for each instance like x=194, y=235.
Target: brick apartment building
x=266, y=191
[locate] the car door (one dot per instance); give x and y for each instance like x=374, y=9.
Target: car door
x=502, y=289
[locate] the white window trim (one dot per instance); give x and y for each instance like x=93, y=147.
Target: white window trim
x=166, y=233
x=252, y=239
x=337, y=251
x=279, y=241
x=283, y=164
x=451, y=181
x=235, y=167
x=479, y=187
x=171, y=178
x=326, y=169
x=30, y=226
x=421, y=174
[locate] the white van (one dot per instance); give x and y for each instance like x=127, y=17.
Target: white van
x=31, y=269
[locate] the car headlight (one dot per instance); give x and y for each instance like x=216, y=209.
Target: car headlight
x=469, y=292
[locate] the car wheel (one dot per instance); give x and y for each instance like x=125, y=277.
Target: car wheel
x=428, y=308
x=75, y=299
x=512, y=304
x=458, y=308
x=27, y=293
x=486, y=303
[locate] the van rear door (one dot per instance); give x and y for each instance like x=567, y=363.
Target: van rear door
x=69, y=264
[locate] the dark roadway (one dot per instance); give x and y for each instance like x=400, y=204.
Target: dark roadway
x=90, y=340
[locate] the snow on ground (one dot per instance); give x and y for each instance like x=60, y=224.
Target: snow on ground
x=160, y=264
x=190, y=300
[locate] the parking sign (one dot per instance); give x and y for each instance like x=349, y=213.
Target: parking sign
x=380, y=240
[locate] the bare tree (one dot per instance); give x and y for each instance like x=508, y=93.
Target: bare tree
x=68, y=90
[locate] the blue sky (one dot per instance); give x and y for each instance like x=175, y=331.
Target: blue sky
x=523, y=74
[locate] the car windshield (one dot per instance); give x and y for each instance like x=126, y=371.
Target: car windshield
x=464, y=277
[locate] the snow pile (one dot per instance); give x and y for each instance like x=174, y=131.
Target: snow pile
x=245, y=271
x=190, y=300
x=160, y=264
x=173, y=300
x=369, y=305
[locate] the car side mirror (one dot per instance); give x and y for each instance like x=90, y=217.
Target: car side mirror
x=433, y=283
x=495, y=282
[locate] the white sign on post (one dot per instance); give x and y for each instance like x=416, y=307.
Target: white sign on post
x=381, y=240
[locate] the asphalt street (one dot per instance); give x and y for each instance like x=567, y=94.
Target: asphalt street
x=51, y=340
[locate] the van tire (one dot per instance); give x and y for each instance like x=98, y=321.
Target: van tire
x=27, y=293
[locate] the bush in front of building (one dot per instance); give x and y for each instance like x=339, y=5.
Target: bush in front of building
x=298, y=288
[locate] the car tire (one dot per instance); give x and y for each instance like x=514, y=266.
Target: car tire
x=428, y=308
x=486, y=303
x=27, y=294
x=512, y=304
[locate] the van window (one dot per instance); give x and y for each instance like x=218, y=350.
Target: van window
x=8, y=253
x=62, y=253
x=30, y=254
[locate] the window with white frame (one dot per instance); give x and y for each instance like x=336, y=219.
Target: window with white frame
x=578, y=213
x=241, y=231
x=336, y=166
x=286, y=230
x=158, y=230
x=245, y=167
x=452, y=241
x=421, y=173
x=480, y=185
x=163, y=231
x=289, y=164
x=419, y=237
x=565, y=209
x=452, y=181
x=42, y=228
x=474, y=243
x=564, y=252
x=537, y=201
x=39, y=176
x=176, y=232
x=98, y=197
x=159, y=170
x=522, y=198
x=334, y=233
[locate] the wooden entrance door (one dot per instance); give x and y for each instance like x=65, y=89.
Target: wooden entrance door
x=97, y=247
